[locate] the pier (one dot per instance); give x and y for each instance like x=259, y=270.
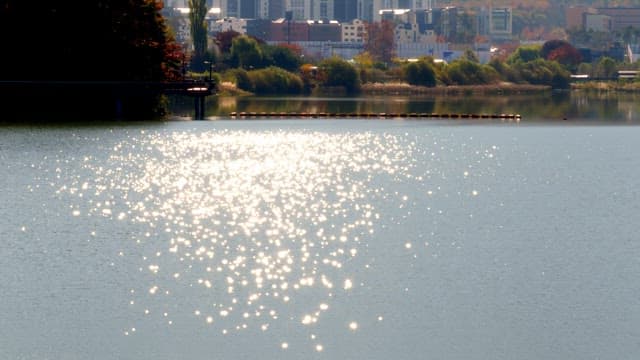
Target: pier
x=33, y=93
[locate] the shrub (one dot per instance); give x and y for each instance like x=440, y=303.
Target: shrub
x=241, y=78
x=373, y=75
x=274, y=80
x=420, y=73
x=466, y=72
x=338, y=72
x=544, y=72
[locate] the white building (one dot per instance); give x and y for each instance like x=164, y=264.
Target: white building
x=229, y=24
x=354, y=32
x=409, y=33
x=417, y=50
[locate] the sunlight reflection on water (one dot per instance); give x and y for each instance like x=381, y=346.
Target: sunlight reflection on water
x=309, y=240
x=249, y=222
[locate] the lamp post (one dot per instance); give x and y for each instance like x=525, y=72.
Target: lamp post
x=288, y=15
x=210, y=63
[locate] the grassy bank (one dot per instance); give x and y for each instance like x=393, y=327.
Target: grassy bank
x=620, y=86
x=406, y=89
x=230, y=89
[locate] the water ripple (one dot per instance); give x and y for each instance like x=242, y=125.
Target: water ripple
x=255, y=228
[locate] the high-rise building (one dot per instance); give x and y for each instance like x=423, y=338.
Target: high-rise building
x=251, y=9
x=345, y=10
x=276, y=9
x=300, y=9
x=248, y=9
x=230, y=8
x=365, y=10
x=322, y=9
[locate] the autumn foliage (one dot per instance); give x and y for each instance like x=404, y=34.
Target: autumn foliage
x=380, y=42
x=562, y=52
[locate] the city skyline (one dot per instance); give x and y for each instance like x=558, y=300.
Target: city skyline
x=341, y=10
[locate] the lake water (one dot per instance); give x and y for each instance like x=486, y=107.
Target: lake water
x=583, y=107
x=320, y=239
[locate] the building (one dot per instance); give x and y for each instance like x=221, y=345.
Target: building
x=622, y=18
x=329, y=30
x=417, y=50
x=300, y=9
x=345, y=11
x=249, y=9
x=229, y=24
x=408, y=33
x=276, y=9
x=322, y=10
x=365, y=9
x=446, y=22
x=574, y=16
x=602, y=19
x=259, y=28
x=354, y=31
x=500, y=21
x=597, y=22
x=495, y=23
x=289, y=31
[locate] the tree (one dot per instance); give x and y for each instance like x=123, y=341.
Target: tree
x=338, y=72
x=543, y=72
x=89, y=41
x=281, y=56
x=224, y=40
x=561, y=51
x=380, y=42
x=275, y=80
x=606, y=67
x=524, y=54
x=471, y=56
x=364, y=60
x=246, y=51
x=465, y=72
x=197, y=13
x=504, y=70
x=420, y=73
x=119, y=40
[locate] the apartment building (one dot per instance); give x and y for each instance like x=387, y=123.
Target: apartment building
x=354, y=31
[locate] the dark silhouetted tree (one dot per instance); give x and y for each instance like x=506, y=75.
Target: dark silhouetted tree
x=198, y=27
x=87, y=40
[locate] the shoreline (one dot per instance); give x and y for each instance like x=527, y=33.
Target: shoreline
x=406, y=89
x=229, y=89
x=608, y=86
